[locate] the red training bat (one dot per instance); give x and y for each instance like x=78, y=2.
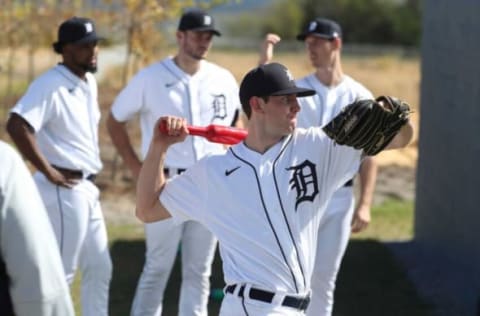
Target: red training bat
x=217, y=133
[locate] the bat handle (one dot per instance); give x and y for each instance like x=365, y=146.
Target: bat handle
x=193, y=130
x=197, y=130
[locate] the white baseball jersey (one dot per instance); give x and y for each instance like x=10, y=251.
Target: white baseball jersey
x=320, y=109
x=210, y=96
x=265, y=209
x=64, y=112
x=27, y=244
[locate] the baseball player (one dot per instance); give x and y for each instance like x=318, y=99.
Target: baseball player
x=334, y=90
x=32, y=281
x=55, y=126
x=263, y=199
x=184, y=85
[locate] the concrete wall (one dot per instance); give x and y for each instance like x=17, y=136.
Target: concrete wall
x=447, y=220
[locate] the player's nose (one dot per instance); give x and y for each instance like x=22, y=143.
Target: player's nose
x=295, y=106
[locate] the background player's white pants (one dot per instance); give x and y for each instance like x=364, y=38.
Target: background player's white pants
x=79, y=227
x=197, y=250
x=233, y=305
x=333, y=236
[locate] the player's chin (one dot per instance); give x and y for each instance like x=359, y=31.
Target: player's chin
x=90, y=67
x=292, y=125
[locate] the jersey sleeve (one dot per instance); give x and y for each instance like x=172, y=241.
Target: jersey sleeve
x=36, y=106
x=130, y=100
x=184, y=196
x=28, y=245
x=362, y=92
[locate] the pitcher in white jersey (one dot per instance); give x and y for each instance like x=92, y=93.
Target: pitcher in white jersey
x=264, y=198
x=189, y=86
x=55, y=126
x=335, y=90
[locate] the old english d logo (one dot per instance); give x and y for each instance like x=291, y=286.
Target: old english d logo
x=304, y=181
x=219, y=106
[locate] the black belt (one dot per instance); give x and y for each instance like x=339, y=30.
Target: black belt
x=267, y=297
x=349, y=183
x=74, y=174
x=169, y=172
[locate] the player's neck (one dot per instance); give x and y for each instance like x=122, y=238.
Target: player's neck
x=331, y=75
x=187, y=64
x=75, y=70
x=259, y=141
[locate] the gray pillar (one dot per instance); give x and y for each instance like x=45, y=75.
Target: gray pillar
x=447, y=219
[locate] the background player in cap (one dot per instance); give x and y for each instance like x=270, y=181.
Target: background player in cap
x=32, y=281
x=335, y=90
x=264, y=198
x=189, y=86
x=55, y=126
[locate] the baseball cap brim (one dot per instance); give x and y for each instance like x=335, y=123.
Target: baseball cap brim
x=206, y=29
x=87, y=39
x=303, y=36
x=300, y=92
x=90, y=38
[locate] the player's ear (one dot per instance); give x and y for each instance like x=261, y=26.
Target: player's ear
x=337, y=41
x=179, y=35
x=256, y=104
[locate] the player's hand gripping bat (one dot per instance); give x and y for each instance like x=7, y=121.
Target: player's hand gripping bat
x=217, y=133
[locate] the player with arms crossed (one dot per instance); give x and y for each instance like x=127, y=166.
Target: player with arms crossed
x=335, y=90
x=265, y=197
x=185, y=85
x=55, y=126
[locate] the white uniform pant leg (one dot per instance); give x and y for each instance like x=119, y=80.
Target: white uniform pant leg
x=162, y=239
x=71, y=212
x=96, y=265
x=333, y=235
x=198, y=250
x=233, y=305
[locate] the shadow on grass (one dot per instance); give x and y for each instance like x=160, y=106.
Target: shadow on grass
x=370, y=282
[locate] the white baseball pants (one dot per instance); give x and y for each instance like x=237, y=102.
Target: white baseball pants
x=333, y=236
x=79, y=227
x=197, y=251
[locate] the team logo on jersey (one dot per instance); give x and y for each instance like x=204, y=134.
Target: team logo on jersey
x=219, y=106
x=304, y=182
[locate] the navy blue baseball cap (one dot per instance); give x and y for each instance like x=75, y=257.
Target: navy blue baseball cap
x=197, y=20
x=76, y=30
x=270, y=79
x=321, y=27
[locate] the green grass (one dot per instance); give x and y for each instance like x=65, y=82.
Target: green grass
x=391, y=220
x=370, y=281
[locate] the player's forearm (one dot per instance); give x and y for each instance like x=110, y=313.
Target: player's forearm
x=120, y=139
x=151, y=181
x=24, y=138
x=368, y=178
x=403, y=138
